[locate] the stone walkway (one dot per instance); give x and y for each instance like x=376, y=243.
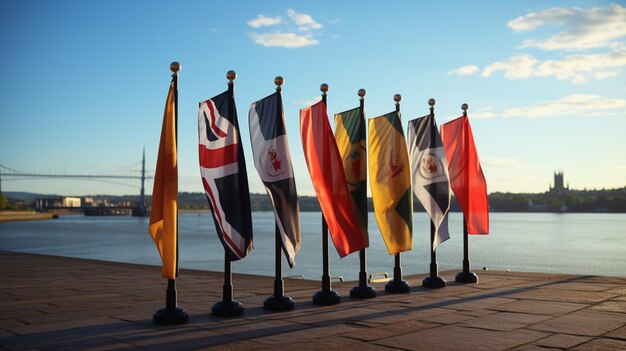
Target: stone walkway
x=56, y=303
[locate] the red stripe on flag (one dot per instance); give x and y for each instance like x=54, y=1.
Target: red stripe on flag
x=225, y=236
x=214, y=158
x=215, y=129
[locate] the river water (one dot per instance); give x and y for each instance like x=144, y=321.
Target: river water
x=534, y=242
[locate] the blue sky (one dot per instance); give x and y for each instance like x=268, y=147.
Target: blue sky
x=84, y=82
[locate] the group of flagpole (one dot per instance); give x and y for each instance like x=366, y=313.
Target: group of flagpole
x=229, y=307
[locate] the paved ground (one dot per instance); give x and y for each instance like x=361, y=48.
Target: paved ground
x=55, y=303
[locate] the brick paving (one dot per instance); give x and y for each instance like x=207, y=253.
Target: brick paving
x=57, y=303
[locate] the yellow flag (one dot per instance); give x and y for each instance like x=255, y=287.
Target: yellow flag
x=390, y=182
x=350, y=137
x=164, y=212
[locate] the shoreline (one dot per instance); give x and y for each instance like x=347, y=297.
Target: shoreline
x=17, y=216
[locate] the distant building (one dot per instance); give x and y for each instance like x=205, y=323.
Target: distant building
x=71, y=202
x=56, y=202
x=559, y=188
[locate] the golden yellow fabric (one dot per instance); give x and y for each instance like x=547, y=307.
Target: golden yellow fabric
x=390, y=182
x=164, y=212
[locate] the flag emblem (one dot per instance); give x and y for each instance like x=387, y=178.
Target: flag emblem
x=274, y=160
x=431, y=166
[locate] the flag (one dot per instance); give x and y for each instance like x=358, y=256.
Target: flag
x=224, y=176
x=326, y=170
x=466, y=176
x=350, y=137
x=164, y=209
x=273, y=163
x=429, y=169
x=390, y=182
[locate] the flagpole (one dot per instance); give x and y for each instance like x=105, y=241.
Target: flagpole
x=326, y=296
x=363, y=291
x=228, y=307
x=466, y=276
x=433, y=280
x=397, y=285
x=279, y=301
x=171, y=314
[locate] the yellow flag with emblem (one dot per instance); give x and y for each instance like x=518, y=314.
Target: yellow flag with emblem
x=390, y=182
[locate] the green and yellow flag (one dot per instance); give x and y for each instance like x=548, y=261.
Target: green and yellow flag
x=350, y=137
x=390, y=182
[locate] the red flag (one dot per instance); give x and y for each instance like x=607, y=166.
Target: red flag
x=466, y=175
x=329, y=180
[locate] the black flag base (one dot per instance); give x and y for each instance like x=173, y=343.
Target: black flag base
x=466, y=277
x=434, y=282
x=397, y=287
x=278, y=303
x=362, y=292
x=170, y=316
x=230, y=308
x=326, y=297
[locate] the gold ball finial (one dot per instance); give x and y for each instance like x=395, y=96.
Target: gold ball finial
x=279, y=81
x=397, y=98
x=175, y=66
x=464, y=107
x=361, y=92
x=324, y=88
x=231, y=75
x=431, y=102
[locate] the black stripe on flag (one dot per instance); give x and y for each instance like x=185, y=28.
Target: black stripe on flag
x=270, y=118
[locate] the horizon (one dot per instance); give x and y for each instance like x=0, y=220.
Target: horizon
x=544, y=82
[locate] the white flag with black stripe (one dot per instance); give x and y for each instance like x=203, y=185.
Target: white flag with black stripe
x=429, y=169
x=273, y=163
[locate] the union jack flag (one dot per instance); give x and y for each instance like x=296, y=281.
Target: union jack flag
x=224, y=175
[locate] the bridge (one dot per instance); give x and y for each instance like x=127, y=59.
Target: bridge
x=139, y=210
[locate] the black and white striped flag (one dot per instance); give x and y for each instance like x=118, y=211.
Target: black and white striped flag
x=273, y=163
x=429, y=169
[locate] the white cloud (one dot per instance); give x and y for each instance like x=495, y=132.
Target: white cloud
x=464, y=71
x=304, y=21
x=575, y=68
x=579, y=104
x=285, y=34
x=598, y=27
x=517, y=67
x=307, y=103
x=264, y=21
x=482, y=113
x=285, y=40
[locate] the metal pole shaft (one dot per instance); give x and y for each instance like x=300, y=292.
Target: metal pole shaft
x=362, y=257
x=466, y=262
x=228, y=286
x=170, y=294
x=326, y=285
x=433, y=254
x=466, y=265
x=326, y=271
x=397, y=269
x=279, y=289
x=175, y=78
